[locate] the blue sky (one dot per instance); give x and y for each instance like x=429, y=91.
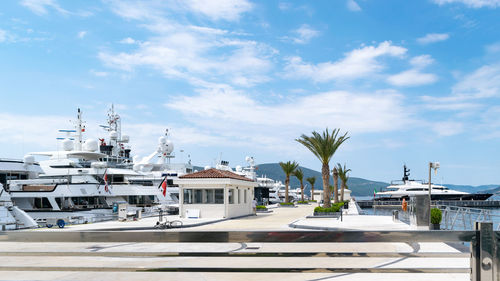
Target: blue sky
x=411, y=81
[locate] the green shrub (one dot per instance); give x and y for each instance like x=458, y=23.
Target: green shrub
x=261, y=207
x=333, y=209
x=313, y=200
x=286, y=204
x=436, y=216
x=302, y=202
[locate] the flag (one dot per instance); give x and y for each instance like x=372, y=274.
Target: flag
x=164, y=186
x=106, y=182
x=374, y=192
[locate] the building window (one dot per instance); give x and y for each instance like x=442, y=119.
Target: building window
x=231, y=196
x=188, y=196
x=203, y=196
x=245, y=196
x=209, y=196
x=219, y=196
x=198, y=199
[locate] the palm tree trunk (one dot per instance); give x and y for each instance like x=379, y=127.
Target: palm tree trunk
x=342, y=192
x=287, y=181
x=325, y=174
x=312, y=192
x=335, y=185
x=302, y=191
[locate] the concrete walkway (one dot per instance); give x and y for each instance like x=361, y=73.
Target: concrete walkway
x=108, y=261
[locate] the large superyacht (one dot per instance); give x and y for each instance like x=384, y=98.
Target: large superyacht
x=86, y=180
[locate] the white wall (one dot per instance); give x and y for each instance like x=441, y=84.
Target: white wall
x=206, y=210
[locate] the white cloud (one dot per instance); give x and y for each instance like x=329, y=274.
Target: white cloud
x=99, y=73
x=41, y=7
x=353, y=6
x=414, y=76
x=304, y=34
x=446, y=129
x=82, y=34
x=239, y=117
x=128, y=40
x=188, y=54
x=433, y=38
x=472, y=3
x=355, y=64
x=229, y=10
x=482, y=83
x=3, y=35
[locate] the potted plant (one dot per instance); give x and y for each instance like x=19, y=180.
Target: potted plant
x=436, y=217
x=261, y=208
x=334, y=210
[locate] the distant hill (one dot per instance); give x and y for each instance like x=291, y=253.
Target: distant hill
x=359, y=186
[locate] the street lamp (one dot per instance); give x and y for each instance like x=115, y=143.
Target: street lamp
x=435, y=166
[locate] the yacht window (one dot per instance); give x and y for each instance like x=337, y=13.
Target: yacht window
x=116, y=179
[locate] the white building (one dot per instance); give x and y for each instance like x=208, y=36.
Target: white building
x=215, y=193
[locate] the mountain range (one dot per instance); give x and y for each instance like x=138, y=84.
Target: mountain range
x=358, y=186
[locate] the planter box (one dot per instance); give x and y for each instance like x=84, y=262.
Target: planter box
x=435, y=226
x=287, y=206
x=329, y=215
x=302, y=203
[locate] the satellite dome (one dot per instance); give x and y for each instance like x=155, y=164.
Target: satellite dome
x=125, y=138
x=162, y=140
x=67, y=144
x=238, y=168
x=169, y=146
x=29, y=159
x=247, y=158
x=113, y=135
x=208, y=167
x=90, y=145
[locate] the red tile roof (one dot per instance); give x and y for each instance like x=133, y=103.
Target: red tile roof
x=214, y=174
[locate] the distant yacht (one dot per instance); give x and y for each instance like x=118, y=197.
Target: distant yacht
x=405, y=188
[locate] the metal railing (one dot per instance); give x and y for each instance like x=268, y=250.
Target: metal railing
x=484, y=245
x=463, y=218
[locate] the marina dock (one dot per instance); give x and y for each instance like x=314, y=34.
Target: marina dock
x=134, y=252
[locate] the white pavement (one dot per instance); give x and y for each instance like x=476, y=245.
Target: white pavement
x=107, y=261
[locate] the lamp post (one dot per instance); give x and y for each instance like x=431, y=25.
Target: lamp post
x=435, y=166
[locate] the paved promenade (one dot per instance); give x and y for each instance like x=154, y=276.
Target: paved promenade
x=122, y=261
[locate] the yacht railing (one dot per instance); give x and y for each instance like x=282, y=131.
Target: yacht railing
x=484, y=247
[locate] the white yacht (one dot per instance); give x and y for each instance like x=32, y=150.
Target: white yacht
x=407, y=187
x=79, y=184
x=11, y=216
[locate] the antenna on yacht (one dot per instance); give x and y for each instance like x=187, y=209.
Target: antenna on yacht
x=406, y=174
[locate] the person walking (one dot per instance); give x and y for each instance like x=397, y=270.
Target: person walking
x=254, y=206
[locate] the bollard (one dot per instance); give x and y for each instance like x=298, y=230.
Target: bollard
x=395, y=215
x=485, y=253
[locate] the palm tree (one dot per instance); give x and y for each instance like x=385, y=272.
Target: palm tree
x=288, y=169
x=335, y=173
x=300, y=176
x=323, y=146
x=344, y=178
x=311, y=181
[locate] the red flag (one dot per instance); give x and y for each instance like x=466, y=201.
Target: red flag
x=164, y=186
x=106, y=182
